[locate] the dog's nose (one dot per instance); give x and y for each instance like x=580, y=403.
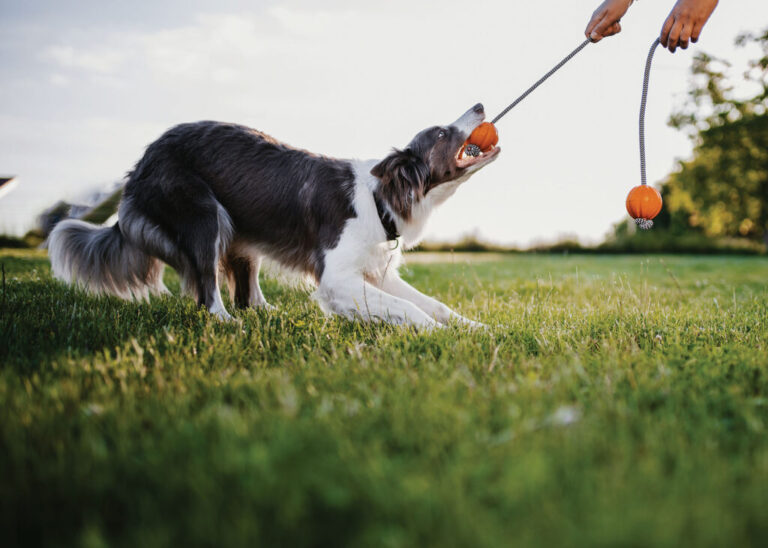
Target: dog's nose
x=478, y=108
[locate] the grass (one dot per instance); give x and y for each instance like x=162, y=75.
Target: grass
x=614, y=401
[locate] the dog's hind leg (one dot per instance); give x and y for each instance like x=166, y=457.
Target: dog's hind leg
x=239, y=270
x=209, y=293
x=204, y=242
x=155, y=279
x=243, y=266
x=256, y=298
x=155, y=241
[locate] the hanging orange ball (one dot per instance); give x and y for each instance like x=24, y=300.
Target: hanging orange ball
x=485, y=137
x=643, y=204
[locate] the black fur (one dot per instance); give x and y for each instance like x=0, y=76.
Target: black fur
x=290, y=201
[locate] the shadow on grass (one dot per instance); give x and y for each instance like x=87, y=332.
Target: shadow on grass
x=42, y=319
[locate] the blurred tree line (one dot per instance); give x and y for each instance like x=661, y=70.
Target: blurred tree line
x=721, y=193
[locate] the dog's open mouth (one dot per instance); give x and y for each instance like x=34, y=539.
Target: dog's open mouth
x=463, y=161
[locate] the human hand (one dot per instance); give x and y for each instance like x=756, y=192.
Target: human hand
x=685, y=22
x=605, y=20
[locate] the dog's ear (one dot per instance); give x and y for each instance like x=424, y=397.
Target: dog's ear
x=404, y=177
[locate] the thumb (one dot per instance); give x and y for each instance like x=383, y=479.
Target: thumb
x=600, y=31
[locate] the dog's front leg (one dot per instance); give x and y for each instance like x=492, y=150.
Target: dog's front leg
x=393, y=284
x=353, y=297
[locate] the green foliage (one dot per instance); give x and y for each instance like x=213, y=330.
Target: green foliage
x=12, y=242
x=613, y=401
x=31, y=239
x=668, y=237
x=723, y=190
x=470, y=243
x=717, y=96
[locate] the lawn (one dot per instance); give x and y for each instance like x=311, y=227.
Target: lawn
x=613, y=401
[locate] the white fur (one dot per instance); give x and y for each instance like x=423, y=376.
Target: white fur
x=361, y=277
x=468, y=121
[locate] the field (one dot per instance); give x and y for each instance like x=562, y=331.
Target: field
x=615, y=401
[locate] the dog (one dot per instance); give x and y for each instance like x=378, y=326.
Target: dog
x=212, y=198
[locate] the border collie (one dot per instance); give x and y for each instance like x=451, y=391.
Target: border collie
x=211, y=198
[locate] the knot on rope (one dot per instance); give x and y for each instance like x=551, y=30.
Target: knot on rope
x=644, y=224
x=472, y=150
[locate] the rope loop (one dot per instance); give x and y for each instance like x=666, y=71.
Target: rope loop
x=643, y=101
x=643, y=104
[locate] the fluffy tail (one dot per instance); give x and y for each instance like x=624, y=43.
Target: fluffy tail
x=103, y=261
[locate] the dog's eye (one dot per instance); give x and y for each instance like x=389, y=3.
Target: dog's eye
x=441, y=135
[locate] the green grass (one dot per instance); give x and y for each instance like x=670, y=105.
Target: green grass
x=615, y=401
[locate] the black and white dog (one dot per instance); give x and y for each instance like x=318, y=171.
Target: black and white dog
x=211, y=197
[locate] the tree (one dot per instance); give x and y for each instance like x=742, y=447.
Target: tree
x=723, y=190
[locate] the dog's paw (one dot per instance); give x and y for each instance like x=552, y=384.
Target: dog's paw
x=425, y=325
x=263, y=306
x=227, y=319
x=477, y=326
x=431, y=326
x=466, y=322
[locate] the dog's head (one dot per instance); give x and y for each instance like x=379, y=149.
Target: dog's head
x=431, y=160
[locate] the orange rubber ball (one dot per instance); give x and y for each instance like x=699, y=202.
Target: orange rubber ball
x=485, y=137
x=643, y=204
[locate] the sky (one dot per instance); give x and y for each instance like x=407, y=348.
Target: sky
x=86, y=85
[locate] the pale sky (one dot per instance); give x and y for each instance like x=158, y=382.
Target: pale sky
x=86, y=85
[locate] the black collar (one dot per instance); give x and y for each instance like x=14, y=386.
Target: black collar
x=387, y=221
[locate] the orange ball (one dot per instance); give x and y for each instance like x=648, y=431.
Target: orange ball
x=485, y=136
x=644, y=202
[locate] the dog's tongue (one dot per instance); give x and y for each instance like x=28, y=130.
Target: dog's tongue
x=466, y=161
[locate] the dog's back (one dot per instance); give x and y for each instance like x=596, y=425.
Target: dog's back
x=205, y=193
x=288, y=201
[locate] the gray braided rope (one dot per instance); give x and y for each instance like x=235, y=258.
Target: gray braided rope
x=643, y=104
x=542, y=80
x=645, y=224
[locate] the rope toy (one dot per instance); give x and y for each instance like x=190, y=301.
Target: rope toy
x=472, y=150
x=643, y=202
